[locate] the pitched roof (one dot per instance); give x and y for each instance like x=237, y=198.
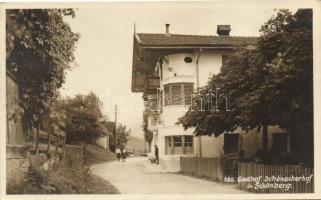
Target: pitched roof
x=152, y=39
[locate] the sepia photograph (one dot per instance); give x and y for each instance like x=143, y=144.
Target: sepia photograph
x=159, y=98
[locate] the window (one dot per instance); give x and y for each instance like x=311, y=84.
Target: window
x=188, y=60
x=189, y=141
x=188, y=91
x=178, y=94
x=188, y=148
x=179, y=145
x=178, y=141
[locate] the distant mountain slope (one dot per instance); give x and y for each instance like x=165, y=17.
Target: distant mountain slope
x=136, y=143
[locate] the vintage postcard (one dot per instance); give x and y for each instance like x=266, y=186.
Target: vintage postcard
x=166, y=100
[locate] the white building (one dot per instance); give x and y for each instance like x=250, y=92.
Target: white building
x=169, y=67
x=103, y=140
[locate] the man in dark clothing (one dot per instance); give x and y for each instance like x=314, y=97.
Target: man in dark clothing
x=118, y=153
x=156, y=154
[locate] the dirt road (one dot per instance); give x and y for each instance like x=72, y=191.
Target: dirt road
x=139, y=176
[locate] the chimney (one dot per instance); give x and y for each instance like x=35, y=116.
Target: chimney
x=167, y=29
x=223, y=30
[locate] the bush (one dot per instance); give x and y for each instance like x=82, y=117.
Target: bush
x=36, y=180
x=67, y=177
x=70, y=176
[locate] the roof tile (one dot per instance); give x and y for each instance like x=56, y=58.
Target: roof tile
x=152, y=39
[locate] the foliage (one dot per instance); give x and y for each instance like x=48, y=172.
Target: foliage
x=40, y=48
x=70, y=176
x=56, y=118
x=84, y=119
x=121, y=135
x=112, y=143
x=148, y=135
x=271, y=84
x=289, y=57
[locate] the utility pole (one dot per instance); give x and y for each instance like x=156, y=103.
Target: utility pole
x=107, y=140
x=197, y=87
x=115, y=126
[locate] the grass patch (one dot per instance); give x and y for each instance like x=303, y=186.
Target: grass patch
x=95, y=155
x=67, y=177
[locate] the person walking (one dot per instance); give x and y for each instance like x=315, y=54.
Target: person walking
x=156, y=154
x=123, y=154
x=118, y=153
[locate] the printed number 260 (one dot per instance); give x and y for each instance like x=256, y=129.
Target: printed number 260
x=229, y=180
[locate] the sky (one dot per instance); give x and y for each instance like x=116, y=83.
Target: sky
x=103, y=57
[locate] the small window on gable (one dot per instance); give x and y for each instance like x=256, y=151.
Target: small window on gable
x=188, y=59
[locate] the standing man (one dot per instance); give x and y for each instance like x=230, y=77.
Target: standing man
x=118, y=153
x=156, y=154
x=124, y=154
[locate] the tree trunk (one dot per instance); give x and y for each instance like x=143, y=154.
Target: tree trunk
x=49, y=142
x=265, y=138
x=37, y=138
x=63, y=146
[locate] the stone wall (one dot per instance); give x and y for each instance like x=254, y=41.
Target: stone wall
x=17, y=166
x=17, y=162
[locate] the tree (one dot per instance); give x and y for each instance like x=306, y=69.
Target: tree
x=54, y=122
x=292, y=84
x=289, y=56
x=40, y=48
x=269, y=85
x=148, y=135
x=121, y=134
x=84, y=119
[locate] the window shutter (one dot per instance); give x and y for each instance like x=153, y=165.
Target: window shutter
x=176, y=96
x=188, y=91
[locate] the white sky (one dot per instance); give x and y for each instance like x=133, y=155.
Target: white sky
x=104, y=51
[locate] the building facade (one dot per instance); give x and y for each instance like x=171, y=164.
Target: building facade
x=169, y=69
x=103, y=141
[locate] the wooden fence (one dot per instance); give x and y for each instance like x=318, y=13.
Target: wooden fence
x=213, y=168
x=281, y=178
x=47, y=143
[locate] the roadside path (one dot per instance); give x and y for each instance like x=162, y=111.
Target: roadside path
x=138, y=176
x=93, y=156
